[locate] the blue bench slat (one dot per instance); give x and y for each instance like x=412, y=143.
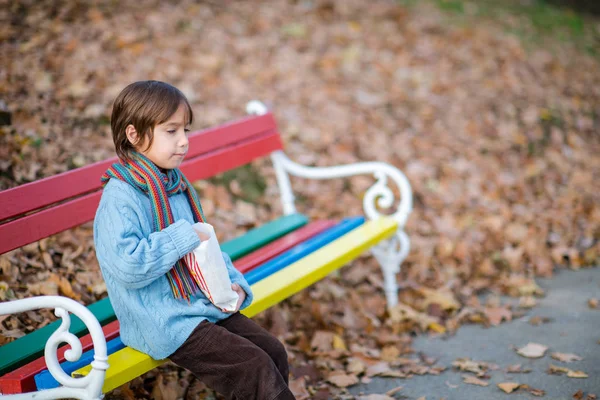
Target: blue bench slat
x=303, y=249
x=45, y=380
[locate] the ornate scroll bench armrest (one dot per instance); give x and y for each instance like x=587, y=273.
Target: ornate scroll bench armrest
x=87, y=388
x=390, y=253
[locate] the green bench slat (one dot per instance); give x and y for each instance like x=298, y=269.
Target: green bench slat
x=31, y=346
x=258, y=237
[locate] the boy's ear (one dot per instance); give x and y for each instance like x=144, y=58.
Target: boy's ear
x=132, y=134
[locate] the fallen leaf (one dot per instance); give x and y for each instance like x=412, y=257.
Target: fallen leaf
x=576, y=374
x=535, y=392
x=593, y=303
x=527, y=302
x=376, y=397
x=343, y=380
x=474, y=381
x=355, y=366
x=338, y=343
x=533, y=350
x=465, y=364
x=515, y=369
x=554, y=369
x=378, y=369
x=390, y=353
x=393, y=391
x=566, y=357
x=322, y=341
x=536, y=320
x=578, y=395
x=444, y=297
x=298, y=388
x=496, y=315
x=509, y=387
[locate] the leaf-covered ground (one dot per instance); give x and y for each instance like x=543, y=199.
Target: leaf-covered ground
x=495, y=122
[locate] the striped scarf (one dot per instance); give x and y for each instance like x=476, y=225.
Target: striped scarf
x=144, y=175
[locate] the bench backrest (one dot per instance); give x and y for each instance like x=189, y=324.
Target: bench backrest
x=36, y=210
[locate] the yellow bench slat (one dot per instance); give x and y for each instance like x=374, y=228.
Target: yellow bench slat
x=318, y=264
x=128, y=363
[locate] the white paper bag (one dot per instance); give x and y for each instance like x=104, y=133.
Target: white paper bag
x=208, y=269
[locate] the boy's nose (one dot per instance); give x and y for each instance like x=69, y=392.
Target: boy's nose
x=183, y=141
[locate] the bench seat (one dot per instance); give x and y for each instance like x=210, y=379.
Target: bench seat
x=127, y=364
x=296, y=244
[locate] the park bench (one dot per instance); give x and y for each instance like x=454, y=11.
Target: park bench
x=70, y=357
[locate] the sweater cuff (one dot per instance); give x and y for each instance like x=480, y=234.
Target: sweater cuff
x=183, y=236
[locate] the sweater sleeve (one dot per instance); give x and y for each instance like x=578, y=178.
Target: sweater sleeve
x=237, y=277
x=134, y=259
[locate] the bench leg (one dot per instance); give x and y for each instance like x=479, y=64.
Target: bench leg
x=390, y=254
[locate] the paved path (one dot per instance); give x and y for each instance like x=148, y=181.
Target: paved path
x=574, y=328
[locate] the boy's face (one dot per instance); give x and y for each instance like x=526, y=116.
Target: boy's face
x=170, y=143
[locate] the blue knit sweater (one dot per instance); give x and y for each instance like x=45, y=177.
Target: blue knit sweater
x=134, y=261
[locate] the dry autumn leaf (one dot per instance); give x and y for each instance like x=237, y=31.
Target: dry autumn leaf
x=593, y=303
x=474, y=381
x=533, y=350
x=322, y=341
x=298, y=388
x=393, y=391
x=515, y=369
x=465, y=364
x=533, y=391
x=376, y=397
x=554, y=369
x=566, y=357
x=342, y=380
x=509, y=387
x=355, y=366
x=576, y=374
x=496, y=315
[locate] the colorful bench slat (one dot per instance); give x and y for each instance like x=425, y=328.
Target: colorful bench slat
x=303, y=249
x=272, y=250
x=262, y=235
x=127, y=364
x=45, y=380
x=31, y=346
x=22, y=380
x=318, y=264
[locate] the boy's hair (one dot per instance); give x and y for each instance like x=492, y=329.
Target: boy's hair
x=144, y=105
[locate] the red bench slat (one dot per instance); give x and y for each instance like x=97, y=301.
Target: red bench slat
x=75, y=212
x=277, y=247
x=22, y=379
x=42, y=193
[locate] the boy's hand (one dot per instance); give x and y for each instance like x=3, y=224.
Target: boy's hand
x=202, y=236
x=242, y=296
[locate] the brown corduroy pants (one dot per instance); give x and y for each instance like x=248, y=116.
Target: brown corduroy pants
x=237, y=358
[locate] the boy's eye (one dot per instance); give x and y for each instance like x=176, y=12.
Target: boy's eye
x=172, y=131
x=187, y=130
